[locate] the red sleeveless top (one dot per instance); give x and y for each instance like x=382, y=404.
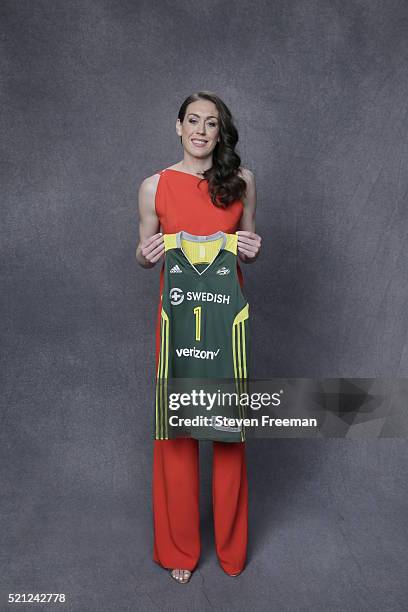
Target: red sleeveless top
x=183, y=203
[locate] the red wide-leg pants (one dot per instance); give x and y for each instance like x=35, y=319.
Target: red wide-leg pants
x=176, y=504
x=176, y=500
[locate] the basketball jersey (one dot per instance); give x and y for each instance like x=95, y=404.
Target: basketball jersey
x=204, y=327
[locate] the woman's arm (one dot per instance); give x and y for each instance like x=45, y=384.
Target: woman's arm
x=249, y=243
x=151, y=244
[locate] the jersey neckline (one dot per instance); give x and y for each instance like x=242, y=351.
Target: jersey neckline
x=194, y=238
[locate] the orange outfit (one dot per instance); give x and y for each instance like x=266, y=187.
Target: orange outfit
x=183, y=203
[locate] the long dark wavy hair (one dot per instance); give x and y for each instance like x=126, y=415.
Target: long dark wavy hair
x=224, y=184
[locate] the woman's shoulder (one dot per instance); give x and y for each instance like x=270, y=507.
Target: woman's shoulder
x=147, y=193
x=248, y=199
x=149, y=184
x=246, y=174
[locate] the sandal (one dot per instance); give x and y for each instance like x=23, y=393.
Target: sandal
x=180, y=575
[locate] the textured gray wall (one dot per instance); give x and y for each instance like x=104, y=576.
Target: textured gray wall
x=90, y=93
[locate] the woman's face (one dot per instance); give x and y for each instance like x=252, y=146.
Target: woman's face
x=200, y=128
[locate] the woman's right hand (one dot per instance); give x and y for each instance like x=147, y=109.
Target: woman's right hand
x=152, y=248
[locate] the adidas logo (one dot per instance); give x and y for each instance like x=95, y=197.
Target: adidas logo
x=175, y=269
x=223, y=270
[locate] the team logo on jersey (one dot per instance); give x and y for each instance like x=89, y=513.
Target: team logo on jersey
x=223, y=270
x=176, y=296
x=175, y=269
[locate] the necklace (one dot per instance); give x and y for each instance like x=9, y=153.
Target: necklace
x=195, y=172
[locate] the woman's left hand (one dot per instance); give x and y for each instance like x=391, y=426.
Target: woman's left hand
x=249, y=245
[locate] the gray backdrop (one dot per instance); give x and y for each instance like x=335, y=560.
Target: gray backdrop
x=90, y=94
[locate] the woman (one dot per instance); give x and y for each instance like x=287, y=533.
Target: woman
x=205, y=192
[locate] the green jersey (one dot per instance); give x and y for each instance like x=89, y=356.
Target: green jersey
x=204, y=329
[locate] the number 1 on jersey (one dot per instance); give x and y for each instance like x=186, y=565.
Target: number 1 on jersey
x=197, y=312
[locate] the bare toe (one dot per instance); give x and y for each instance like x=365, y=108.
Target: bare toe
x=181, y=575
